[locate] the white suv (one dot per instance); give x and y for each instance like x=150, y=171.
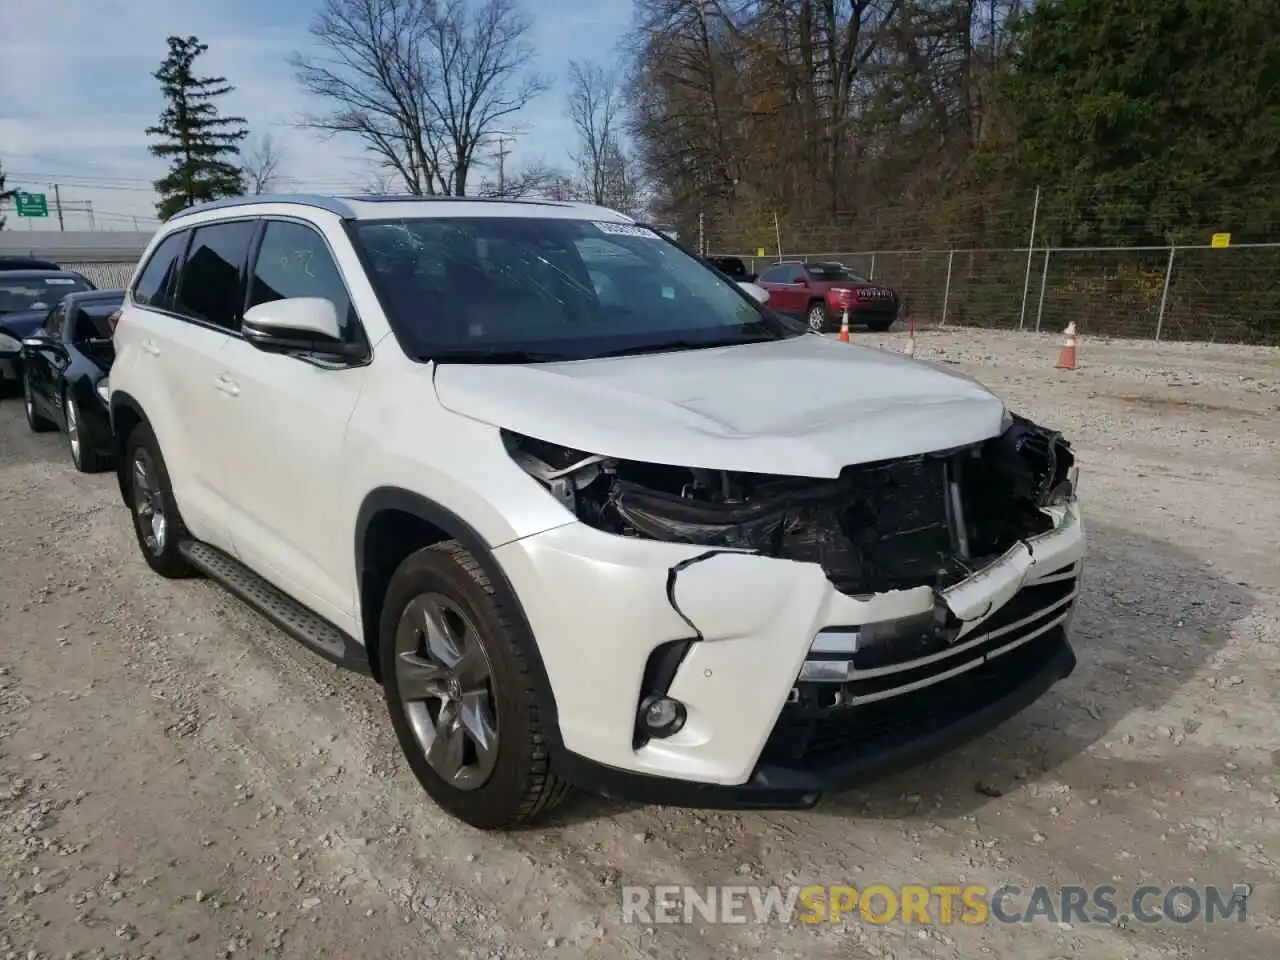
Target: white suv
x=592, y=513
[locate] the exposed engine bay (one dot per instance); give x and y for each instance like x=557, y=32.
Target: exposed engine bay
x=932, y=519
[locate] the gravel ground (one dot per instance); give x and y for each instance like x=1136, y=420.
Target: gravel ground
x=177, y=779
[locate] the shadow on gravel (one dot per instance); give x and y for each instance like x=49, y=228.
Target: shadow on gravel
x=1150, y=615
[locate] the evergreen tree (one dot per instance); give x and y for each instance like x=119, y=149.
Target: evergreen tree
x=203, y=145
x=1146, y=113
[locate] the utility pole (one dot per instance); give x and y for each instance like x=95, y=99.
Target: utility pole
x=57, y=203
x=89, y=207
x=502, y=164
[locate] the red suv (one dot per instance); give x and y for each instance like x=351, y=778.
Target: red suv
x=821, y=292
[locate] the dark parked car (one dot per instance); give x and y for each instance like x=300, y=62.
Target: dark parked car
x=27, y=263
x=821, y=292
x=65, y=363
x=26, y=297
x=733, y=268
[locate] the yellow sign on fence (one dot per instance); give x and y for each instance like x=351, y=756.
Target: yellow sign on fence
x=1220, y=240
x=759, y=251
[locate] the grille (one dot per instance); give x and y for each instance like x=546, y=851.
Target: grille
x=905, y=694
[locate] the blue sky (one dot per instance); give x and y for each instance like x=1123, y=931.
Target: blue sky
x=76, y=91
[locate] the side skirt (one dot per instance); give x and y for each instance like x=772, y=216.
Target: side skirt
x=279, y=608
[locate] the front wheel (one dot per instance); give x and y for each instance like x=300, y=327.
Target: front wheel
x=879, y=326
x=459, y=692
x=817, y=317
x=156, y=520
x=35, y=420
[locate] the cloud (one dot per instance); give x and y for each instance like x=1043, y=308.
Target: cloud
x=76, y=91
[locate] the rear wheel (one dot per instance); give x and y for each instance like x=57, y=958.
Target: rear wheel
x=817, y=316
x=35, y=420
x=879, y=326
x=156, y=520
x=459, y=692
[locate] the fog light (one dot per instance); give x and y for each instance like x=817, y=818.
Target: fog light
x=662, y=716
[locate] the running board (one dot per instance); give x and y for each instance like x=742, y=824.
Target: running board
x=276, y=606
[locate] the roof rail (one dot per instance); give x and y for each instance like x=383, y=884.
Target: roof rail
x=331, y=204
x=449, y=198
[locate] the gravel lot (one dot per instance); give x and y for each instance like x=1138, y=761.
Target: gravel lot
x=177, y=779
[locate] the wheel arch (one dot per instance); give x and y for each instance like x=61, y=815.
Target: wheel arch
x=393, y=523
x=126, y=414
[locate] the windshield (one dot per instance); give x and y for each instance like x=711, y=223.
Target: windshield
x=834, y=271
x=522, y=289
x=36, y=293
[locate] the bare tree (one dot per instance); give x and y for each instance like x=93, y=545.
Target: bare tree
x=421, y=82
x=595, y=106
x=262, y=163
x=379, y=185
x=533, y=180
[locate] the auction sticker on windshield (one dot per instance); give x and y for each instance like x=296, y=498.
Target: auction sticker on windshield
x=624, y=230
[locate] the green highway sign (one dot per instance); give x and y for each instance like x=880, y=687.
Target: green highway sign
x=31, y=204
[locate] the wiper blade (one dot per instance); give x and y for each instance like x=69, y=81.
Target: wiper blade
x=674, y=346
x=493, y=356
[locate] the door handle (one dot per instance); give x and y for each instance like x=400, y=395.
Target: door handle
x=148, y=346
x=226, y=385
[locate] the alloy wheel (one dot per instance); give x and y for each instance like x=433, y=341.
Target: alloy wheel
x=817, y=319
x=73, y=427
x=148, y=503
x=445, y=681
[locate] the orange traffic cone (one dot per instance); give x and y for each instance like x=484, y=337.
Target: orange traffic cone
x=844, y=326
x=910, y=350
x=1067, y=355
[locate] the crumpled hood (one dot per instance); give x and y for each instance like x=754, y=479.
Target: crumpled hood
x=807, y=406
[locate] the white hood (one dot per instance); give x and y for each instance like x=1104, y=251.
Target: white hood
x=807, y=406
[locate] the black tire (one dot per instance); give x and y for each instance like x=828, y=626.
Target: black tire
x=35, y=420
x=520, y=786
x=879, y=326
x=816, y=316
x=159, y=549
x=79, y=442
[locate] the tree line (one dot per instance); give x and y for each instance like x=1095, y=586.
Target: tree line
x=1152, y=120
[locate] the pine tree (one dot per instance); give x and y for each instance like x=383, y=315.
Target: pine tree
x=4, y=195
x=203, y=145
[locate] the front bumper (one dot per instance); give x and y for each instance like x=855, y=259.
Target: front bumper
x=600, y=605
x=863, y=312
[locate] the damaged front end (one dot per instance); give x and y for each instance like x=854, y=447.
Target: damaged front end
x=932, y=519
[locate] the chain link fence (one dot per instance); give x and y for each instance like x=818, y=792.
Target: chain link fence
x=103, y=274
x=1227, y=294
x=1218, y=294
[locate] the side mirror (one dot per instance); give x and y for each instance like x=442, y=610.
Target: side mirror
x=757, y=292
x=298, y=325
x=38, y=341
